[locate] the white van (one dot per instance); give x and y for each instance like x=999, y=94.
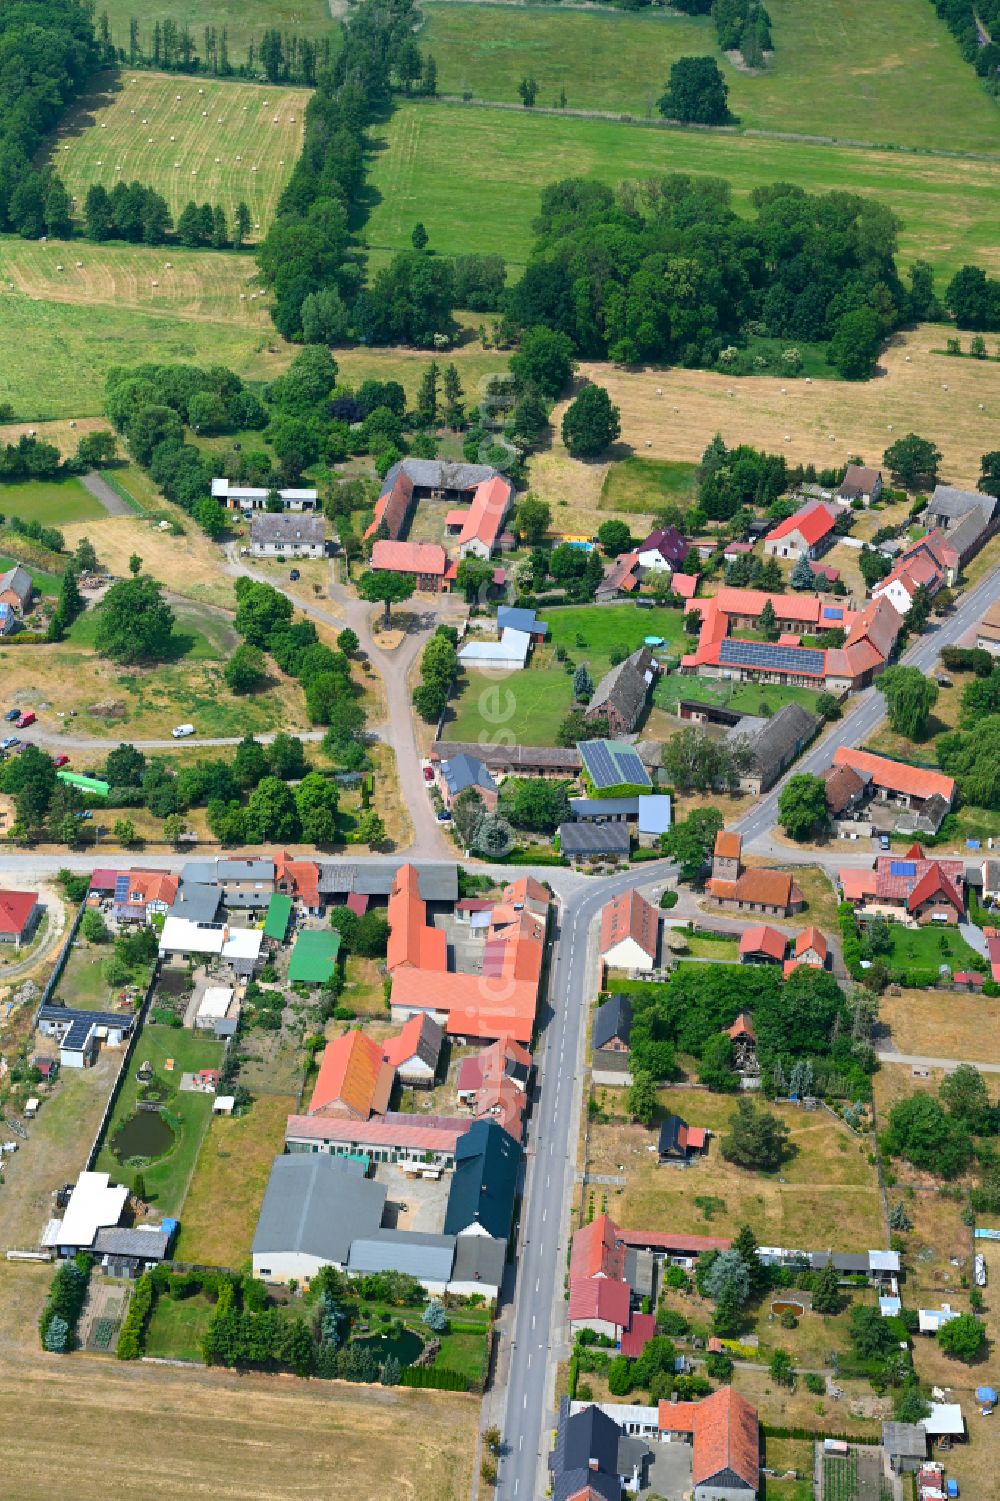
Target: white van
x=182, y=731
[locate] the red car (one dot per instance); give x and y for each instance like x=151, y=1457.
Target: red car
x=28, y=717
x=428, y=773
x=60, y=761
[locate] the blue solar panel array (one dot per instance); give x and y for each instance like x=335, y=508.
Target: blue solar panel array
x=902, y=868
x=611, y=765
x=122, y=884
x=831, y=613
x=735, y=653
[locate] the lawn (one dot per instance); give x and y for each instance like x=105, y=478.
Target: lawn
x=824, y=1196
x=220, y=1212
x=638, y=486
x=214, y=141
x=945, y=204
x=82, y=983
x=840, y=68
x=591, y=633
x=742, y=698
x=525, y=707
x=716, y=949
x=57, y=354
x=177, y=1326
x=243, y=20
x=167, y=1178
x=50, y=502
x=192, y=285
x=930, y=947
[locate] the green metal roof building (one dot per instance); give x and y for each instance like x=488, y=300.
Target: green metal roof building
x=94, y=785
x=279, y=915
x=314, y=956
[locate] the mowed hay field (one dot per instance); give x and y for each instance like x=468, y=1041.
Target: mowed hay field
x=947, y=206
x=215, y=142
x=189, y=284
x=826, y=1195
x=841, y=68
x=209, y=1433
x=821, y=423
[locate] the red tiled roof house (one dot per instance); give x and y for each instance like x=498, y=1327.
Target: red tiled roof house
x=630, y=930
x=20, y=912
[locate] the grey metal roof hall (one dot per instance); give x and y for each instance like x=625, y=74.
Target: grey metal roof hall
x=144, y=1245
x=437, y=883
x=318, y=1205
x=196, y=902
x=429, y=1258
x=285, y=531
x=440, y=474
x=583, y=808
x=594, y=838
x=479, y=1258
x=951, y=503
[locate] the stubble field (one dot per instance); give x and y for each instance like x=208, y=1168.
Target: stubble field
x=215, y=142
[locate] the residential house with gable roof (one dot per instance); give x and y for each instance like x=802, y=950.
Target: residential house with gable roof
x=630, y=932
x=860, y=483
x=806, y=534
x=16, y=589
x=425, y=562
x=914, y=890
x=354, y=1080
x=621, y=695
x=663, y=551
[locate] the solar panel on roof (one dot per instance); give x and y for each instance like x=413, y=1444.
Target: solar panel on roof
x=829, y=613
x=122, y=884
x=598, y=762
x=736, y=653
x=631, y=769
x=902, y=868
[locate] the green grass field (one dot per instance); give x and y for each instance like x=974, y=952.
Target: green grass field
x=744, y=698
x=841, y=68
x=642, y=485
x=200, y=634
x=56, y=355
x=530, y=705
x=243, y=19
x=177, y=1327
x=167, y=1177
x=219, y=142
x=947, y=207
x=52, y=502
x=927, y=948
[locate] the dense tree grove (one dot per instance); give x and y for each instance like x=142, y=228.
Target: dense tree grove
x=47, y=53
x=668, y=271
x=960, y=17
x=306, y=252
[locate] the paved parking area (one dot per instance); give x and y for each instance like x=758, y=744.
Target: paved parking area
x=413, y=1203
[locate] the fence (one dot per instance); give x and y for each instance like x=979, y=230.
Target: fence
x=129, y=1050
x=60, y=965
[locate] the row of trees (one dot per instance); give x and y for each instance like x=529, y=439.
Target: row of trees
x=963, y=19
x=278, y=57
x=47, y=53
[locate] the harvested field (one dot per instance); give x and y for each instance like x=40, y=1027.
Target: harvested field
x=213, y=141
x=224, y=1198
x=824, y=421
x=186, y=284
x=824, y=1195
x=256, y=1438
x=190, y=565
x=943, y=1024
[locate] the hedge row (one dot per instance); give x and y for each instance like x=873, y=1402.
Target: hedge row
x=67, y=1295
x=132, y=1337
x=441, y=1380
x=767, y=1431
x=534, y=857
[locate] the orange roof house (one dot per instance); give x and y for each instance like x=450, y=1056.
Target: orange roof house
x=354, y=1079
x=478, y=1007
x=879, y=624
x=762, y=944
x=411, y=942
x=772, y=892
x=895, y=779
x=630, y=931
x=298, y=878
x=597, y=1251
x=810, y=949
x=421, y=559
x=726, y=1441
x=801, y=534
x=728, y=846
x=485, y=518
x=527, y=892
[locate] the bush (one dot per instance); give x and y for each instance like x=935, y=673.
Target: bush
x=815, y=1384
x=132, y=1337
x=64, y=1303
x=719, y=1367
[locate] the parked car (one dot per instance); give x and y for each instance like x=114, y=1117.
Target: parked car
x=23, y=720
x=182, y=731
x=85, y=814
x=884, y=842
x=294, y=575
x=9, y=743
x=428, y=773
x=60, y=761
x=12, y=714
x=444, y=816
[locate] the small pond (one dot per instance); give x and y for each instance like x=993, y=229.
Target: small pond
x=788, y=1305
x=145, y=1134
x=406, y=1346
